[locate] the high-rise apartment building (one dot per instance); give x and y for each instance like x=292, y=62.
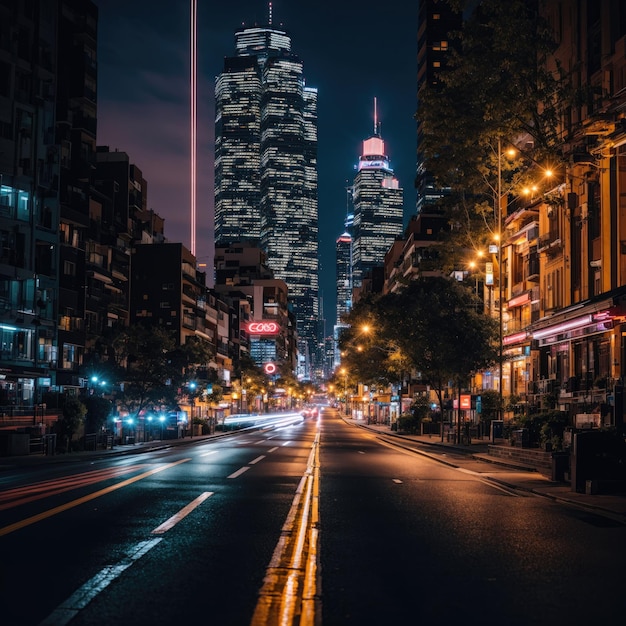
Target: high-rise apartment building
x=378, y=208
x=435, y=21
x=266, y=167
x=343, y=250
x=29, y=207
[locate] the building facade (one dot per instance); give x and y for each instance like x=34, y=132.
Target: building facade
x=562, y=293
x=266, y=167
x=378, y=209
x=343, y=255
x=266, y=329
x=435, y=21
x=29, y=205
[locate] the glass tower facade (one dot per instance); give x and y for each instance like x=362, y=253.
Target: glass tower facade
x=266, y=168
x=378, y=209
x=237, y=151
x=343, y=249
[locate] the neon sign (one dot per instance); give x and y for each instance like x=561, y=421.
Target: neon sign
x=263, y=328
x=270, y=368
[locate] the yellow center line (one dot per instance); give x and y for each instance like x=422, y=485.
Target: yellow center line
x=92, y=496
x=289, y=590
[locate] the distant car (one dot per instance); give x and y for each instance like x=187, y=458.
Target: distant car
x=309, y=411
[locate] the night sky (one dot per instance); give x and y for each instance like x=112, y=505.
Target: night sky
x=352, y=52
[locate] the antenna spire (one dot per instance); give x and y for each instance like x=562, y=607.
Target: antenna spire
x=270, y=13
x=375, y=116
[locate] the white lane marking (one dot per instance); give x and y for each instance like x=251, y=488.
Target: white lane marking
x=286, y=443
x=273, y=449
x=397, y=481
x=67, y=611
x=209, y=453
x=172, y=521
x=256, y=443
x=259, y=458
x=361, y=452
x=239, y=472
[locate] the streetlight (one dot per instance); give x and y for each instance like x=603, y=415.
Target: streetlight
x=344, y=371
x=500, y=318
x=473, y=265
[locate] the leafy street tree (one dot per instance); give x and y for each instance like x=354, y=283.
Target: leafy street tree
x=366, y=353
x=434, y=323
x=192, y=357
x=70, y=420
x=500, y=87
x=145, y=359
x=98, y=411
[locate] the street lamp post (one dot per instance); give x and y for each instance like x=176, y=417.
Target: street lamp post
x=345, y=387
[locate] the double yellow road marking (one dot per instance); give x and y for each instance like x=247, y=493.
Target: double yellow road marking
x=289, y=592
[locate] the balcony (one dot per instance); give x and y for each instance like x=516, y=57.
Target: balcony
x=550, y=243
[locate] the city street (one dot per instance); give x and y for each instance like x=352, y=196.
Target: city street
x=225, y=531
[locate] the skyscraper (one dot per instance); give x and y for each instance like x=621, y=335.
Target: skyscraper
x=266, y=166
x=378, y=207
x=436, y=20
x=343, y=249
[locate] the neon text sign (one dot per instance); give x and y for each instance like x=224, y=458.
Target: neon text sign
x=263, y=328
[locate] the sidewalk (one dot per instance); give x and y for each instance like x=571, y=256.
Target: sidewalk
x=508, y=473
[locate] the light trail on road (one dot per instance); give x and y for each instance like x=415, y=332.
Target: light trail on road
x=36, y=491
x=92, y=496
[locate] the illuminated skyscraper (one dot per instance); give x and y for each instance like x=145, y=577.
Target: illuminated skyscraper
x=266, y=167
x=343, y=249
x=378, y=208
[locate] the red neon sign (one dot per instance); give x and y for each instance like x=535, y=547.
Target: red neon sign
x=270, y=368
x=263, y=328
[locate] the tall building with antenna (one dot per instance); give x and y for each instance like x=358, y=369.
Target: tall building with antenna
x=378, y=206
x=266, y=167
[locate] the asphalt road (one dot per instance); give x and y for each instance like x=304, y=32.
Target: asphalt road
x=407, y=540
x=191, y=534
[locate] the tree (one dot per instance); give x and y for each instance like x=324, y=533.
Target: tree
x=98, y=410
x=148, y=366
x=367, y=353
x=192, y=356
x=71, y=419
x=500, y=86
x=435, y=324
